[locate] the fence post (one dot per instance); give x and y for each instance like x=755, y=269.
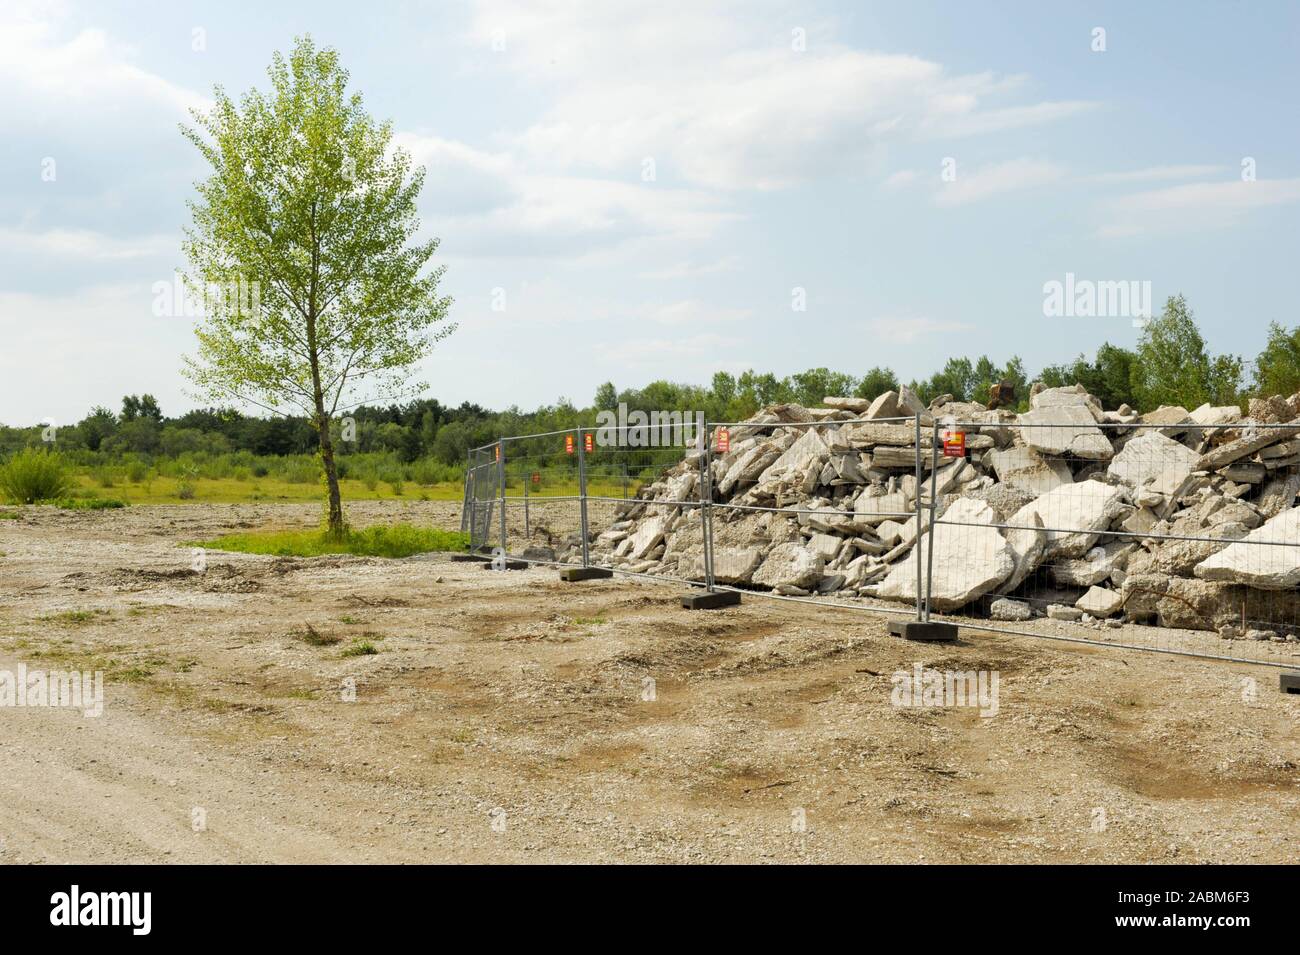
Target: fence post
x=582, y=494
x=934, y=510
x=920, y=487
x=501, y=481
x=467, y=499
x=625, y=480
x=706, y=506
x=527, y=532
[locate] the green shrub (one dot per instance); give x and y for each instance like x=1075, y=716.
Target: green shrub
x=137, y=472
x=397, y=487
x=34, y=475
x=185, y=491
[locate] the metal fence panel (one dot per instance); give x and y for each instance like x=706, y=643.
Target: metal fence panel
x=1168, y=537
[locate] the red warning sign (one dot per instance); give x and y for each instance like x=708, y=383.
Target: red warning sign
x=954, y=444
x=537, y=477
x=568, y=444
x=498, y=452
x=723, y=440
x=588, y=442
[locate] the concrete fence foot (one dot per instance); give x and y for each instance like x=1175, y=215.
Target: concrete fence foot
x=506, y=565
x=573, y=574
x=932, y=632
x=711, y=601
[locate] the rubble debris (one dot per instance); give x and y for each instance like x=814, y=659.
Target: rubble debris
x=1066, y=509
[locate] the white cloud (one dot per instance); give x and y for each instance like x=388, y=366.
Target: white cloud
x=1197, y=205
x=85, y=348
x=85, y=71
x=904, y=177
x=738, y=109
x=909, y=331
x=669, y=355
x=1010, y=176
x=696, y=313
x=688, y=270
x=1158, y=173
x=85, y=245
x=494, y=205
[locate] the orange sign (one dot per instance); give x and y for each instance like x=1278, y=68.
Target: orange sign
x=724, y=440
x=568, y=444
x=498, y=452
x=537, y=477
x=588, y=442
x=954, y=444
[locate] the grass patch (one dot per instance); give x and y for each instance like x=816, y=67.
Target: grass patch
x=310, y=635
x=87, y=503
x=587, y=621
x=9, y=516
x=360, y=648
x=387, y=540
x=75, y=616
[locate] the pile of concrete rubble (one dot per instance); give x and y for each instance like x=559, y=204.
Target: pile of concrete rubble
x=1022, y=516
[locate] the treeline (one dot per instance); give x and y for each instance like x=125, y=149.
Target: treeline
x=1170, y=365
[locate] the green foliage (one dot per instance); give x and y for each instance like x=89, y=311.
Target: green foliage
x=1109, y=376
x=1173, y=366
x=970, y=381
x=386, y=540
x=1277, y=369
x=33, y=475
x=311, y=208
x=876, y=382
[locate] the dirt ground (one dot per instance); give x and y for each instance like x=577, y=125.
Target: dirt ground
x=510, y=717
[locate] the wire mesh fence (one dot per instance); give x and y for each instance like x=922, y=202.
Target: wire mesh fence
x=1175, y=536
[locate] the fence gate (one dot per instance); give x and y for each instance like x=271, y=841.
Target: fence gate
x=482, y=492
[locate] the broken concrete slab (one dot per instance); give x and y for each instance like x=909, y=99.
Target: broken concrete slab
x=1100, y=602
x=1025, y=468
x=1268, y=558
x=855, y=405
x=790, y=564
x=1074, y=515
x=1065, y=430
x=1151, y=457
x=970, y=558
x=1254, y=438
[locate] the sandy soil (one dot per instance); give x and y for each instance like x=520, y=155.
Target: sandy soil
x=503, y=719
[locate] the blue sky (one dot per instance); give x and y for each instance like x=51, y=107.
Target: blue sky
x=775, y=168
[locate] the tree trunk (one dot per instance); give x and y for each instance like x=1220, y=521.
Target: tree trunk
x=334, y=525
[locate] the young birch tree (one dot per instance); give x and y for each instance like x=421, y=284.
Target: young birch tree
x=310, y=208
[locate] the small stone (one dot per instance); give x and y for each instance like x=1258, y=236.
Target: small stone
x=1062, y=612
x=1004, y=608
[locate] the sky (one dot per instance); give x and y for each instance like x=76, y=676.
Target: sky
x=633, y=191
